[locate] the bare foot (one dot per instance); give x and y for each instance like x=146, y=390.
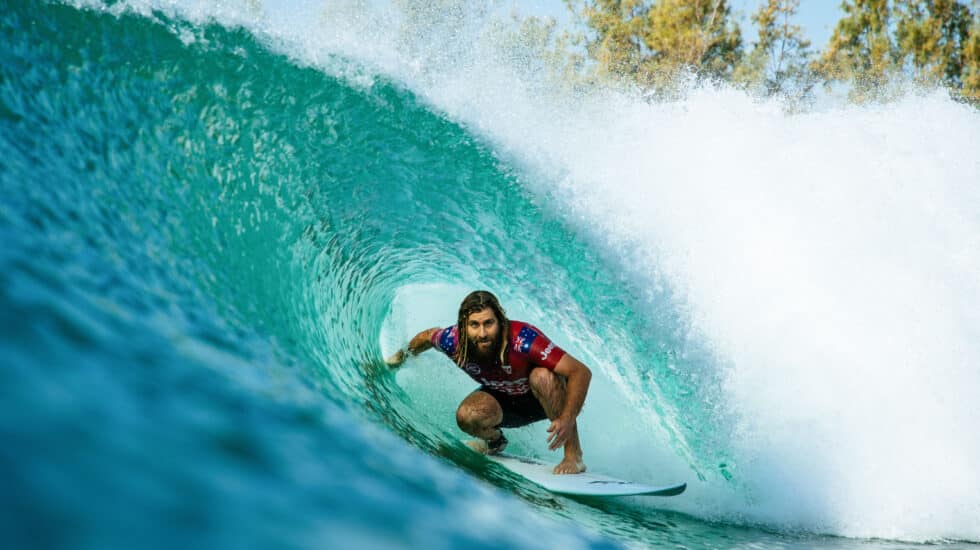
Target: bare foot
x=494, y=447
x=570, y=465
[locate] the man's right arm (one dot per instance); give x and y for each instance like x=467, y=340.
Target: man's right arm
x=421, y=342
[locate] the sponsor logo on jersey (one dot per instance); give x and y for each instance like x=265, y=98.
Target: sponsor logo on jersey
x=547, y=350
x=472, y=368
x=524, y=339
x=507, y=369
x=510, y=387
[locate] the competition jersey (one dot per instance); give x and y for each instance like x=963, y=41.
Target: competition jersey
x=527, y=348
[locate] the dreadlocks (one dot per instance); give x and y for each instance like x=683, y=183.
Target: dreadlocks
x=473, y=303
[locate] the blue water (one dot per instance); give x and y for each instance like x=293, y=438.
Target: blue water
x=211, y=238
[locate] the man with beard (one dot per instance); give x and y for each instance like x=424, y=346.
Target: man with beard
x=523, y=378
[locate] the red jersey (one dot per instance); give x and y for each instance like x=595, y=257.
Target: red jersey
x=527, y=348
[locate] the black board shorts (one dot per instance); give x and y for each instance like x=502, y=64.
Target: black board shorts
x=519, y=410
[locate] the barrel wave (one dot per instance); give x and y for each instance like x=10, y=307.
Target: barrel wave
x=218, y=220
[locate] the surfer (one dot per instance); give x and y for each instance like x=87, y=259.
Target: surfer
x=523, y=377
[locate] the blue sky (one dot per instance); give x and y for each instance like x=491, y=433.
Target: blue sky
x=817, y=17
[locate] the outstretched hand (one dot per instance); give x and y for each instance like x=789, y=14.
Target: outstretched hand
x=561, y=429
x=396, y=358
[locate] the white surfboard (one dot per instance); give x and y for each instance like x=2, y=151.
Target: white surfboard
x=584, y=484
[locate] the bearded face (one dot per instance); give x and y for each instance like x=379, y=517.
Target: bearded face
x=483, y=331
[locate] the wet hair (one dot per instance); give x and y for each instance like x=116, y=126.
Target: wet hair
x=476, y=302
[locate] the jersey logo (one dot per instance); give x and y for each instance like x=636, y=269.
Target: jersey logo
x=510, y=387
x=547, y=350
x=507, y=368
x=472, y=368
x=524, y=339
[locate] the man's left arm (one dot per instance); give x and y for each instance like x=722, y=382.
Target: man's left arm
x=577, y=377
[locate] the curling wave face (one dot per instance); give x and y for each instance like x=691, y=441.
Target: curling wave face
x=218, y=217
x=201, y=240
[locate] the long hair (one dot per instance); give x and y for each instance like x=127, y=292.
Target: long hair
x=473, y=303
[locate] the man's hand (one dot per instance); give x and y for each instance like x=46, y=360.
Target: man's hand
x=561, y=429
x=417, y=345
x=396, y=358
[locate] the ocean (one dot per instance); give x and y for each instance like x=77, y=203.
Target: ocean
x=218, y=219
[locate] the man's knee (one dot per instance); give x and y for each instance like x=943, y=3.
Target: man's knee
x=543, y=380
x=465, y=417
x=470, y=416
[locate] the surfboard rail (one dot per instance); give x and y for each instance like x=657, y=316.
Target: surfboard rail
x=584, y=484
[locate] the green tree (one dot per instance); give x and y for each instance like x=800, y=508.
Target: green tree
x=696, y=34
x=618, y=25
x=653, y=42
x=780, y=57
x=861, y=50
x=971, y=65
x=931, y=35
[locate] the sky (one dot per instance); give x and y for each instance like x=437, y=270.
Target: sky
x=817, y=17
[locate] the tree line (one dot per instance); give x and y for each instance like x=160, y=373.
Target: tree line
x=657, y=44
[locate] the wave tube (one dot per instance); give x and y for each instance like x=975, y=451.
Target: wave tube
x=806, y=285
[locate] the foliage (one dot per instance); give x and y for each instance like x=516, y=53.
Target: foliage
x=932, y=34
x=879, y=40
x=656, y=43
x=696, y=34
x=971, y=65
x=778, y=62
x=861, y=49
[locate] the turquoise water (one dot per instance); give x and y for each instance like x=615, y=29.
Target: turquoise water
x=212, y=236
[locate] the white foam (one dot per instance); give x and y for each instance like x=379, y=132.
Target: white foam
x=830, y=261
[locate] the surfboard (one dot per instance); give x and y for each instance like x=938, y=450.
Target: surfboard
x=584, y=484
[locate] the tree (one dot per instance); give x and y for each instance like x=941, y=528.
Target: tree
x=781, y=55
x=618, y=26
x=653, y=42
x=971, y=65
x=931, y=35
x=697, y=34
x=860, y=49
x=656, y=42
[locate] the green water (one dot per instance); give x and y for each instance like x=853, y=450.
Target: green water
x=207, y=245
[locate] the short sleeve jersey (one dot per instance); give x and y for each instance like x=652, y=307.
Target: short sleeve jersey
x=527, y=348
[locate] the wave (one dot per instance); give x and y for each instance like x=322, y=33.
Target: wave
x=781, y=306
